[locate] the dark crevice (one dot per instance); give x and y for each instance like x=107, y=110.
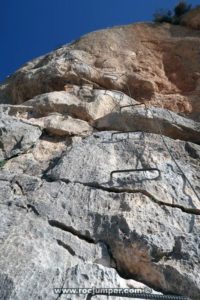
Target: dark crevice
x=177, y=253
x=46, y=132
x=87, y=239
x=21, y=152
x=51, y=165
x=2, y=146
x=18, y=184
x=31, y=124
x=33, y=209
x=71, y=230
x=97, y=186
x=67, y=247
x=84, y=238
x=55, y=161
x=20, y=206
x=113, y=261
x=191, y=151
x=18, y=144
x=125, y=274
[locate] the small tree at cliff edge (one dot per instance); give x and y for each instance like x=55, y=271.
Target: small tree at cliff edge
x=182, y=8
x=174, y=17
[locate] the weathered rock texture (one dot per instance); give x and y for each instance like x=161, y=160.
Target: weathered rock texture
x=100, y=166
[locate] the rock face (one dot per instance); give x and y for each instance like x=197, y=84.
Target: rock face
x=16, y=137
x=154, y=63
x=100, y=166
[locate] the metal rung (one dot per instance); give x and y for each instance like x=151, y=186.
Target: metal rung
x=135, y=170
x=132, y=105
x=140, y=296
x=122, y=132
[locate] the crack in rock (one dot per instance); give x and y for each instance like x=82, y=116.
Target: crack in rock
x=71, y=230
x=97, y=186
x=67, y=247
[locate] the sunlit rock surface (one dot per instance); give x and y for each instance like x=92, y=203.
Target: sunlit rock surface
x=100, y=166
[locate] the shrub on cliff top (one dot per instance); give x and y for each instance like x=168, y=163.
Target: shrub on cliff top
x=180, y=9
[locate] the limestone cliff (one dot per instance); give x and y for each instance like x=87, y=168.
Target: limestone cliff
x=100, y=165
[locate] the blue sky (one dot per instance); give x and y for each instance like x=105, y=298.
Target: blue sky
x=30, y=28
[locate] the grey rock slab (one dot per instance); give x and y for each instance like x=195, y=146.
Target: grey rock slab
x=151, y=119
x=38, y=255
x=167, y=174
x=28, y=255
x=150, y=242
x=16, y=136
x=40, y=158
x=35, y=255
